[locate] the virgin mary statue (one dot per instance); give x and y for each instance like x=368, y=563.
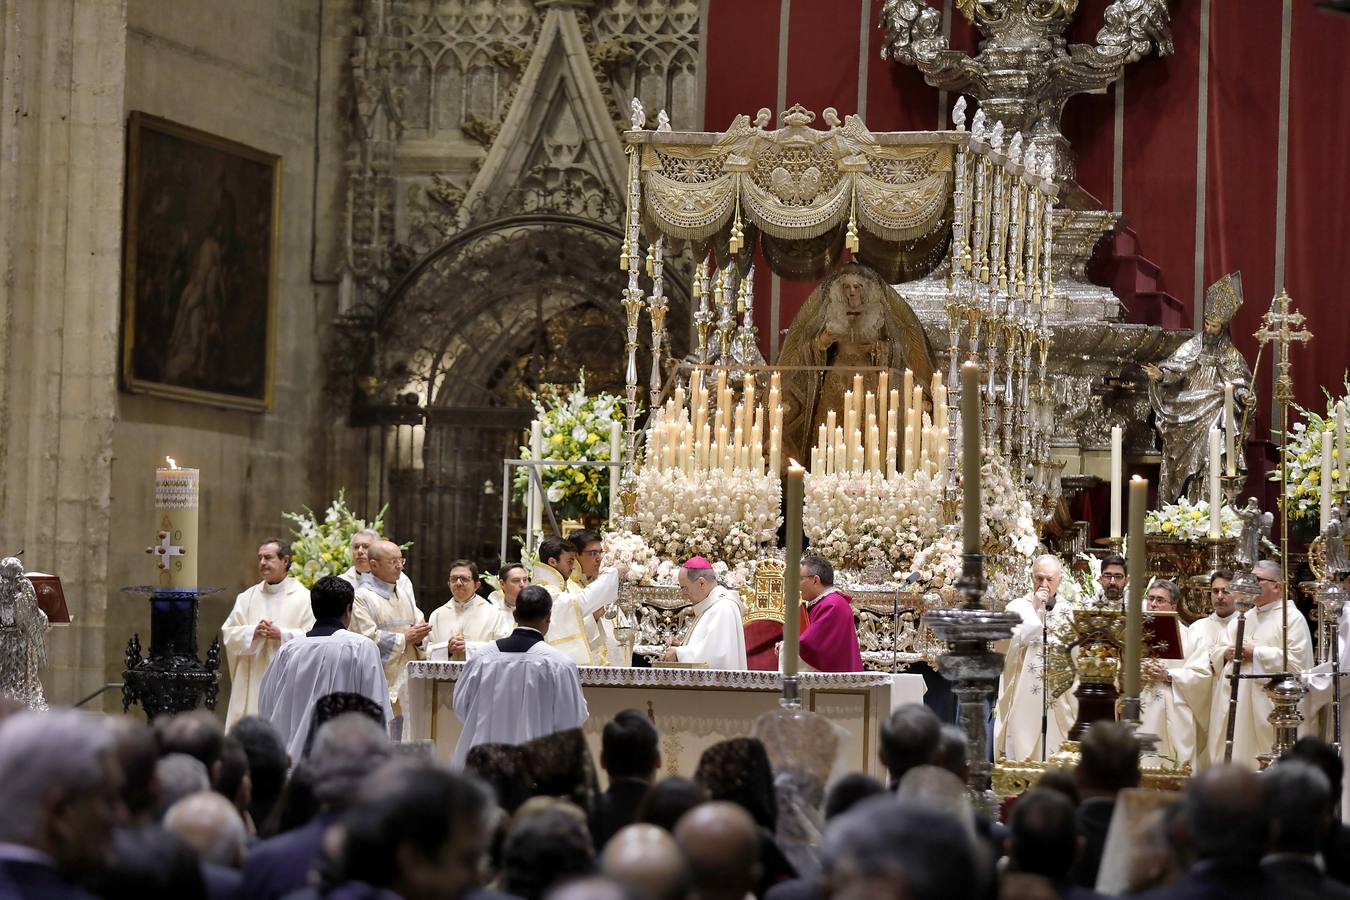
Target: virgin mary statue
x=852, y=320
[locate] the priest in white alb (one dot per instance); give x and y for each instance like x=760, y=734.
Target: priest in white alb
x=1163, y=712
x=1027, y=666
x=718, y=635
x=388, y=618
x=360, y=567
x=265, y=616
x=329, y=659
x=519, y=687
x=466, y=618
x=574, y=628
x=590, y=549
x=1262, y=653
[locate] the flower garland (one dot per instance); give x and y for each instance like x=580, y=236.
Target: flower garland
x=1303, y=459
x=1189, y=521
x=322, y=547
x=849, y=518
x=726, y=516
x=575, y=426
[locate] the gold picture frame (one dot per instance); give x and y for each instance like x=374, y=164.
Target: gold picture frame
x=200, y=260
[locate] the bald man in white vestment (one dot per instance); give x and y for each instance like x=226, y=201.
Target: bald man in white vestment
x=391, y=620
x=360, y=567
x=329, y=659
x=466, y=618
x=1017, y=714
x=574, y=625
x=1262, y=653
x=272, y=612
x=520, y=687
x=718, y=635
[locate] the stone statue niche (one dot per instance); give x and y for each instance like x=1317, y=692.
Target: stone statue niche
x=1186, y=391
x=853, y=319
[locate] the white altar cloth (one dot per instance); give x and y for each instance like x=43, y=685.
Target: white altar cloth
x=692, y=708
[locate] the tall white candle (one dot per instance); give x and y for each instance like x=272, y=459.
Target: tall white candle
x=1340, y=447
x=1325, y=481
x=1117, y=473
x=615, y=438
x=177, y=503
x=1232, y=445
x=534, y=519
x=1215, y=496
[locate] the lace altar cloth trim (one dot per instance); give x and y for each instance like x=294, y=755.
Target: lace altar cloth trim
x=610, y=676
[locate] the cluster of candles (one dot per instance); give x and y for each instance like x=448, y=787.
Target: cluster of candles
x=718, y=429
x=881, y=436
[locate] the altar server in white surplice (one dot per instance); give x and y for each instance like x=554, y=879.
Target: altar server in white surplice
x=718, y=635
x=391, y=620
x=265, y=616
x=590, y=549
x=467, y=618
x=1191, y=685
x=512, y=577
x=1030, y=656
x=329, y=659
x=360, y=568
x=518, y=688
x=1262, y=654
x=575, y=627
x=1163, y=713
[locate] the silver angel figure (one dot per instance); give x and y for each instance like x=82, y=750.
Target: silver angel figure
x=1255, y=528
x=23, y=637
x=1187, y=394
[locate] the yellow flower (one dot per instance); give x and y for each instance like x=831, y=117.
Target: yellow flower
x=556, y=440
x=591, y=438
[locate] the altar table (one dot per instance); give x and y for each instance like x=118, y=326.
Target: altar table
x=692, y=708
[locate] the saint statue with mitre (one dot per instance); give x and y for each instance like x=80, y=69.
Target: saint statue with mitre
x=853, y=320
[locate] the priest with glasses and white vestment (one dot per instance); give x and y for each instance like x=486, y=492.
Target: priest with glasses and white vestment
x=520, y=687
x=467, y=619
x=329, y=659
x=574, y=628
x=718, y=635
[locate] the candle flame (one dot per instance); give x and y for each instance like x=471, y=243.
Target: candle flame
x=170, y=461
x=793, y=464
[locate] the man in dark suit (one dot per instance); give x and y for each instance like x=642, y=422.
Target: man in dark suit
x=59, y=801
x=630, y=754
x=1109, y=765
x=345, y=750
x=1224, y=818
x=1298, y=797
x=1043, y=840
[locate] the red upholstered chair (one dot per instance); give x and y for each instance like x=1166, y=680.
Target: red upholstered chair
x=763, y=619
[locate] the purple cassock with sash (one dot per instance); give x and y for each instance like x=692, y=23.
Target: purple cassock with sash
x=829, y=643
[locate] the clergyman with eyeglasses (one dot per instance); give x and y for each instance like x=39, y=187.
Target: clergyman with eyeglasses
x=467, y=618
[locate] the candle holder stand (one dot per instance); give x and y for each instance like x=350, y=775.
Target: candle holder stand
x=792, y=696
x=1232, y=486
x=1285, y=692
x=170, y=679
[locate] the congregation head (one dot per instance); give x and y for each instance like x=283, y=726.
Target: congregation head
x=630, y=747
x=886, y=848
x=1109, y=759
x=534, y=604
x=331, y=597
x=909, y=738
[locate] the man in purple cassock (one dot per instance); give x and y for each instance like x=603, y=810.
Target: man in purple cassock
x=829, y=642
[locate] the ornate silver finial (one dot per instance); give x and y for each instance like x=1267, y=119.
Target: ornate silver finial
x=662, y=121
x=639, y=117
x=996, y=137
x=1047, y=168
x=959, y=113
x=1015, y=149
x=977, y=125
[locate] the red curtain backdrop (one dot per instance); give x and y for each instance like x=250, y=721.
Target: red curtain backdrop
x=1163, y=98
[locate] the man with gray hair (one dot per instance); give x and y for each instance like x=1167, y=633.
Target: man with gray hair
x=1262, y=653
x=59, y=801
x=1027, y=699
x=178, y=775
x=212, y=827
x=360, y=567
x=1298, y=801
x=718, y=637
x=344, y=751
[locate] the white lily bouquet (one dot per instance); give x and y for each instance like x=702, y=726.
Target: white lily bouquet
x=850, y=516
x=1189, y=521
x=730, y=516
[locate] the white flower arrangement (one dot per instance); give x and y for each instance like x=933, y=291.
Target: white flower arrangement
x=849, y=517
x=645, y=567
x=1303, y=459
x=725, y=516
x=1189, y=521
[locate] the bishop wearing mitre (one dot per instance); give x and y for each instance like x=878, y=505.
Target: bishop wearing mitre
x=467, y=618
x=273, y=611
x=382, y=613
x=574, y=627
x=718, y=635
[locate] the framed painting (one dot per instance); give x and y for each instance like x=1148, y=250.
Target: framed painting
x=200, y=267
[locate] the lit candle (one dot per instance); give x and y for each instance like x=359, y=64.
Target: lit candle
x=792, y=563
x=907, y=390
x=679, y=398
x=615, y=436
x=890, y=452
x=749, y=391
x=1117, y=474
x=1325, y=481
x=883, y=395
x=970, y=457
x=840, y=451
x=723, y=451
x=857, y=394
x=1215, y=523
x=850, y=425
x=873, y=455
x=818, y=462
x=177, y=505
x=1135, y=557
x=1233, y=444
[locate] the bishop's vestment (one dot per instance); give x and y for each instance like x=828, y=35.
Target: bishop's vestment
x=718, y=635
x=1028, y=673
x=284, y=604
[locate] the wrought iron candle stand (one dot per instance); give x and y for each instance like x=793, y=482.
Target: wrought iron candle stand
x=171, y=679
x=973, y=668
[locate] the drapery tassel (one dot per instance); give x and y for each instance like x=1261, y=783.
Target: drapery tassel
x=737, y=234
x=851, y=235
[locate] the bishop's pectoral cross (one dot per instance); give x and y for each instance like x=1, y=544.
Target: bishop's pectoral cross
x=1284, y=327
